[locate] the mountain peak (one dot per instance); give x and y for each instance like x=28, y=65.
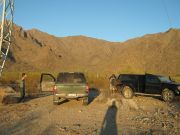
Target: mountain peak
x=34, y=49
x=172, y=30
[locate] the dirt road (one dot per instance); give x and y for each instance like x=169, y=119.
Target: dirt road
x=105, y=115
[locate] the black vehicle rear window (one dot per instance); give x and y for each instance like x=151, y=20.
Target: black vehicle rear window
x=128, y=77
x=71, y=78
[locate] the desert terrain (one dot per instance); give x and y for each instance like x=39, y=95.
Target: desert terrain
x=106, y=114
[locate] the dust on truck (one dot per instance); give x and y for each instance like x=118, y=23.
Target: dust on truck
x=67, y=85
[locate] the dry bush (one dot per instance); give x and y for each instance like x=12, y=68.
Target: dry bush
x=33, y=82
x=95, y=80
x=13, y=78
x=176, y=78
x=10, y=79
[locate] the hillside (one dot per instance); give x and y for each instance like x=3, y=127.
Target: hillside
x=34, y=50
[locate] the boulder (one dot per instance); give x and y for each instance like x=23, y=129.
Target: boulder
x=8, y=95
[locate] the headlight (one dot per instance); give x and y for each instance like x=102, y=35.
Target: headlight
x=178, y=87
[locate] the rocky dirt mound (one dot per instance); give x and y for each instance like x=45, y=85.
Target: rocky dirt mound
x=8, y=95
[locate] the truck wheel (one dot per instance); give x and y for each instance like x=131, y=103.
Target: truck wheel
x=127, y=92
x=168, y=95
x=85, y=101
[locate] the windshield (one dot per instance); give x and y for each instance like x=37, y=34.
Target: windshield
x=165, y=79
x=71, y=78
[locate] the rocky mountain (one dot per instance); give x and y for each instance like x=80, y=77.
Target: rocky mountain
x=33, y=50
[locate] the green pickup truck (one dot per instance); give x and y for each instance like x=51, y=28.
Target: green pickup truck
x=67, y=85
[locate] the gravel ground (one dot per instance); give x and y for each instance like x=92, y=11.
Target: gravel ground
x=105, y=115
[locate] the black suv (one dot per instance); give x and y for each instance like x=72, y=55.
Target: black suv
x=148, y=84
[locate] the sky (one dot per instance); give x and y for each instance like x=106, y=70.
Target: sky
x=112, y=20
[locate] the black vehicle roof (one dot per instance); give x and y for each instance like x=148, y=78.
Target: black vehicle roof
x=71, y=73
x=133, y=74
x=140, y=74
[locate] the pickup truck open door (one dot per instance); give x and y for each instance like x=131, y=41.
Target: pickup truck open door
x=47, y=82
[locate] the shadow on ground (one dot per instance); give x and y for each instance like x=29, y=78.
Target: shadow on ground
x=37, y=95
x=159, y=98
x=109, y=125
x=15, y=98
x=93, y=93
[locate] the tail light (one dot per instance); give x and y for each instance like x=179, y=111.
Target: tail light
x=54, y=88
x=87, y=88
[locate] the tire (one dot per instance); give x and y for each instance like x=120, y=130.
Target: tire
x=85, y=101
x=127, y=92
x=168, y=95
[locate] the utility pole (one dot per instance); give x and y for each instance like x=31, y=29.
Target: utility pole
x=6, y=12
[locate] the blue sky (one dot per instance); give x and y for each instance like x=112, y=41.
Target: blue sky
x=112, y=20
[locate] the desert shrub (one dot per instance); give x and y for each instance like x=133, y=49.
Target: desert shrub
x=176, y=78
x=99, y=80
x=12, y=79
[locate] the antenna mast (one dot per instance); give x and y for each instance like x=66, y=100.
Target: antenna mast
x=7, y=11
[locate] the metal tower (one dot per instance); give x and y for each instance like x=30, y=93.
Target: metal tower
x=6, y=12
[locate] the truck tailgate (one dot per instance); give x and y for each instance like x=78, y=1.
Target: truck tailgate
x=71, y=88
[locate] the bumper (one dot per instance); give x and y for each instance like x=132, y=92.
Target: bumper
x=57, y=97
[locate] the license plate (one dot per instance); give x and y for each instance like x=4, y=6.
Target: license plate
x=72, y=95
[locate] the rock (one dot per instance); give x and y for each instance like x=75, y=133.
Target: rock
x=153, y=120
x=170, y=114
x=8, y=95
x=146, y=119
x=163, y=125
x=6, y=89
x=176, y=116
x=77, y=125
x=23, y=34
x=10, y=99
x=167, y=125
x=62, y=129
x=95, y=131
x=149, y=132
x=80, y=111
